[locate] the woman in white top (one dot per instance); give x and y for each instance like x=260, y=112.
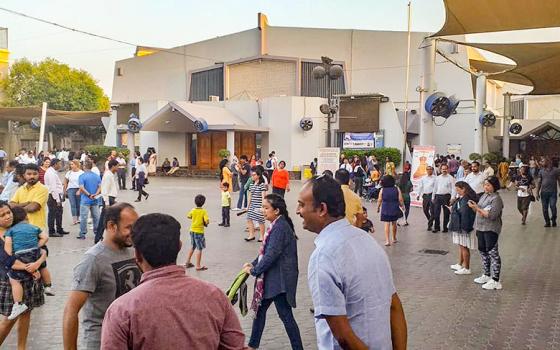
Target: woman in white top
x=71, y=189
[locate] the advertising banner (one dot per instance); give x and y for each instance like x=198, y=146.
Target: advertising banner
x=454, y=148
x=327, y=159
x=422, y=157
x=355, y=140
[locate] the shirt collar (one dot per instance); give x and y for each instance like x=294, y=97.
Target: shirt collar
x=343, y=186
x=165, y=271
x=330, y=229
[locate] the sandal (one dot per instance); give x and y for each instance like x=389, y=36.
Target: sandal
x=387, y=244
x=189, y=265
x=249, y=239
x=202, y=268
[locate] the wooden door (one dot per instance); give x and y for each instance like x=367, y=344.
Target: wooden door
x=203, y=150
x=219, y=141
x=248, y=144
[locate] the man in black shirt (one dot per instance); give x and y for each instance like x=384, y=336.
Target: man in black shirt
x=244, y=170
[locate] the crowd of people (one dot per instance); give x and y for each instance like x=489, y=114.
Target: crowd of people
x=133, y=293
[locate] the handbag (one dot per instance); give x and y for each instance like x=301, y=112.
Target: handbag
x=532, y=198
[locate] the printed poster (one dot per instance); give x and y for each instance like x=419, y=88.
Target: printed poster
x=327, y=159
x=361, y=140
x=422, y=157
x=454, y=149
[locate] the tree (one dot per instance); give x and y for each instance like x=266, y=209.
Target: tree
x=62, y=87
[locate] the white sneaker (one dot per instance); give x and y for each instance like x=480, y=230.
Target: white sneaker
x=17, y=310
x=491, y=285
x=49, y=291
x=463, y=271
x=456, y=267
x=482, y=279
x=236, y=209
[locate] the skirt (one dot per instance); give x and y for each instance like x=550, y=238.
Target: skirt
x=523, y=203
x=465, y=239
x=32, y=295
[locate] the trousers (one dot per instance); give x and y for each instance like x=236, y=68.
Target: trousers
x=441, y=201
x=101, y=225
x=428, y=208
x=548, y=200
x=488, y=249
x=54, y=215
x=225, y=215
x=285, y=313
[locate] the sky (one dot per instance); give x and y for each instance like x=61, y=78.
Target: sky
x=169, y=23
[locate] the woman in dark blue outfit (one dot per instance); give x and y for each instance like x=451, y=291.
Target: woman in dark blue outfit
x=276, y=272
x=391, y=204
x=33, y=290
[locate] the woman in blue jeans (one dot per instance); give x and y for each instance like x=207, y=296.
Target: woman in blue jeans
x=71, y=187
x=276, y=273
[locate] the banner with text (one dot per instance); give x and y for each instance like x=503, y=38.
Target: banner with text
x=328, y=159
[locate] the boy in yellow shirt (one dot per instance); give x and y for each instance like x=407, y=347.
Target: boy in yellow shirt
x=226, y=205
x=200, y=220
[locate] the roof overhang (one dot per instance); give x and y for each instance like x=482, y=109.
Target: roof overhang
x=179, y=116
x=483, y=16
x=531, y=127
x=54, y=117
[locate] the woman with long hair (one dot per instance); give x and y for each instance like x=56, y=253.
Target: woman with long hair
x=488, y=225
x=33, y=290
x=461, y=226
x=390, y=203
x=257, y=192
x=225, y=174
x=43, y=169
x=72, y=187
x=276, y=273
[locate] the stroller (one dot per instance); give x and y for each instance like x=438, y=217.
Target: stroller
x=371, y=192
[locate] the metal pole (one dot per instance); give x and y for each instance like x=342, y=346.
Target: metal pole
x=42, y=130
x=405, y=128
x=427, y=88
x=480, y=102
x=329, y=103
x=506, y=123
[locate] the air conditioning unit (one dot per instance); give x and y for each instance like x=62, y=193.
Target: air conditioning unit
x=213, y=98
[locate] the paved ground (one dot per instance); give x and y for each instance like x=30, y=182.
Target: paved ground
x=444, y=311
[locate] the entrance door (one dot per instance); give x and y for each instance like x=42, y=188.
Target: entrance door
x=203, y=150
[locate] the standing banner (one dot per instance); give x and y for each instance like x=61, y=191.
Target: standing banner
x=328, y=159
x=422, y=157
x=454, y=149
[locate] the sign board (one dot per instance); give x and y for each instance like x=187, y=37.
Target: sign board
x=379, y=139
x=422, y=157
x=362, y=140
x=327, y=159
x=454, y=148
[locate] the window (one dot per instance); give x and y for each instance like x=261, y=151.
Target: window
x=207, y=83
x=518, y=109
x=318, y=88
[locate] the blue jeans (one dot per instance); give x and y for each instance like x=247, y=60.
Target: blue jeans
x=85, y=209
x=285, y=313
x=242, y=197
x=74, y=202
x=548, y=200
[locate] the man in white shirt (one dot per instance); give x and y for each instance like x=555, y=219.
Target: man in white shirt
x=489, y=171
x=425, y=191
x=23, y=158
x=475, y=179
x=109, y=192
x=444, y=188
x=54, y=202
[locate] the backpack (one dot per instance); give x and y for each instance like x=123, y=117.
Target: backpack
x=269, y=163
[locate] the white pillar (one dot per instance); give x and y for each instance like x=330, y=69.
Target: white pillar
x=428, y=87
x=42, y=130
x=480, y=102
x=507, y=119
x=230, y=142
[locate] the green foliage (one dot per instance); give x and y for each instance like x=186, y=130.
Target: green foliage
x=475, y=156
x=380, y=153
x=62, y=87
x=223, y=153
x=103, y=152
x=492, y=157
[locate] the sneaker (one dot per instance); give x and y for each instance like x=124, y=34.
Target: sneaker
x=456, y=267
x=491, y=285
x=482, y=279
x=463, y=271
x=236, y=209
x=17, y=310
x=49, y=291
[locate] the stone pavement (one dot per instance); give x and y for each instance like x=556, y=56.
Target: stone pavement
x=444, y=311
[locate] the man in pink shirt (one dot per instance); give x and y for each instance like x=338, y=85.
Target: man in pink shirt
x=168, y=309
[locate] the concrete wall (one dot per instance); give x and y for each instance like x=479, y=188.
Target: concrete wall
x=543, y=107
x=172, y=144
x=165, y=75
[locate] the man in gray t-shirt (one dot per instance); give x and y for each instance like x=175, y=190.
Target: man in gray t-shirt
x=547, y=191
x=107, y=271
